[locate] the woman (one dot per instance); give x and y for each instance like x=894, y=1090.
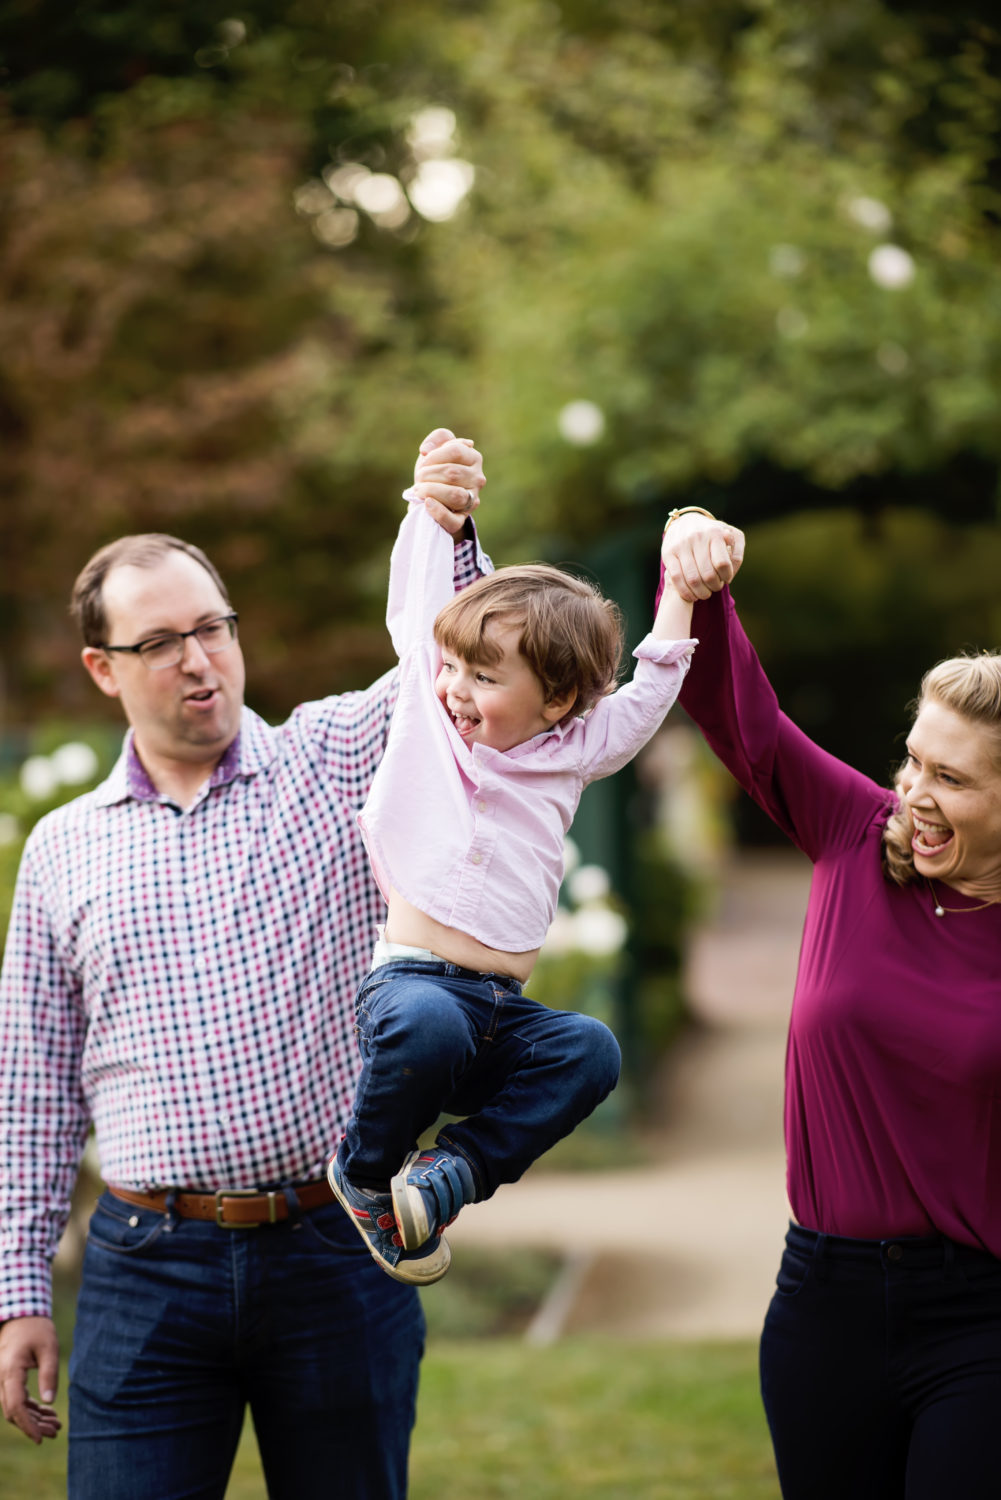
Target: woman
x=881, y=1350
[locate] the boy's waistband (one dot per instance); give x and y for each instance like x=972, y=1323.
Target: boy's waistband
x=384, y=952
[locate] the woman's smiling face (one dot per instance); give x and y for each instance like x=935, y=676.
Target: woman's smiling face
x=951, y=786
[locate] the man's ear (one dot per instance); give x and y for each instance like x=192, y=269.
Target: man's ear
x=558, y=708
x=99, y=665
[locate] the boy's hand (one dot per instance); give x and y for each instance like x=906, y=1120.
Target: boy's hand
x=449, y=475
x=701, y=555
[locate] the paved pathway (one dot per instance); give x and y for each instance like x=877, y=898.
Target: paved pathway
x=687, y=1246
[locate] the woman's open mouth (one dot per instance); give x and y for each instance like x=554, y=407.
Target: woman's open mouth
x=930, y=838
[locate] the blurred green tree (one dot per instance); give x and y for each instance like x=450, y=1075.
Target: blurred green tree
x=740, y=253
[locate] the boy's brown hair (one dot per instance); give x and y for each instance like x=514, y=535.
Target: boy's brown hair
x=570, y=636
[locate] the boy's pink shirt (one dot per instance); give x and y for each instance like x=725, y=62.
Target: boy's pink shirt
x=473, y=836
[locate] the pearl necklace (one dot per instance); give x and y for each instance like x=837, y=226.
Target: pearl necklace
x=941, y=910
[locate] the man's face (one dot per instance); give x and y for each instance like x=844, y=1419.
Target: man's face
x=189, y=712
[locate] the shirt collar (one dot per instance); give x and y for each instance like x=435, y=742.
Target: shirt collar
x=251, y=751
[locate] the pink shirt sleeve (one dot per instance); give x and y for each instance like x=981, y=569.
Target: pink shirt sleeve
x=421, y=577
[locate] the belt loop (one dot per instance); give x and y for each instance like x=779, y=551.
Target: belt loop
x=170, y=1210
x=820, y=1258
x=292, y=1200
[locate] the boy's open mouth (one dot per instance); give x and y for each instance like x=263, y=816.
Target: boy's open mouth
x=464, y=723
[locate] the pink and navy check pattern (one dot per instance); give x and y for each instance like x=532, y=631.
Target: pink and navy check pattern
x=186, y=980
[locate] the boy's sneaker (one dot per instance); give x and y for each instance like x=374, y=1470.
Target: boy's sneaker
x=428, y=1191
x=372, y=1215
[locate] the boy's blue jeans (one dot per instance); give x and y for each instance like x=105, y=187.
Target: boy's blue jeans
x=438, y=1039
x=182, y=1324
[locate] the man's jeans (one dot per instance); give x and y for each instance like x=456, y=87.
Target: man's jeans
x=181, y=1324
x=438, y=1039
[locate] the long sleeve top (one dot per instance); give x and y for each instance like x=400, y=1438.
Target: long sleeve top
x=893, y=1070
x=186, y=979
x=472, y=836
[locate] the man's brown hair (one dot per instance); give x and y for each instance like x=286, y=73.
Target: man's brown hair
x=571, y=637
x=144, y=550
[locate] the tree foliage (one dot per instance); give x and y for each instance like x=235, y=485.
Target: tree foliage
x=760, y=239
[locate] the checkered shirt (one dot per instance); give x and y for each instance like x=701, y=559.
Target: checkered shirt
x=185, y=980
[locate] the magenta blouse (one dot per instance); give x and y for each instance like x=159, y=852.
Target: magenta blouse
x=893, y=1070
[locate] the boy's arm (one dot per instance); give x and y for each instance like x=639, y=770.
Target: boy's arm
x=621, y=724
x=433, y=555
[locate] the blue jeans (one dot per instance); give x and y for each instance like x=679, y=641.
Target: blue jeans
x=182, y=1324
x=881, y=1369
x=438, y=1039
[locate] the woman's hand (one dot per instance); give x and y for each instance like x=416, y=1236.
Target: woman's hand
x=701, y=555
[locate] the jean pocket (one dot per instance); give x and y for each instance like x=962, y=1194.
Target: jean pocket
x=122, y=1228
x=793, y=1274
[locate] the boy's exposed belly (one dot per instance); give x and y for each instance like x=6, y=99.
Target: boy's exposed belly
x=406, y=924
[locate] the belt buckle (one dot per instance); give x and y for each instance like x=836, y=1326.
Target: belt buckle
x=244, y=1193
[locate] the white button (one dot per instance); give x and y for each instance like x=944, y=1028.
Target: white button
x=481, y=806
x=476, y=858
x=223, y=1119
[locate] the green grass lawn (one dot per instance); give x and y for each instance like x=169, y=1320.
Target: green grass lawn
x=499, y=1419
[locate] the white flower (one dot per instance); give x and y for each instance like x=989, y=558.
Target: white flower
x=786, y=261
x=438, y=187
x=383, y=199
x=891, y=267
x=562, y=934
x=588, y=883
x=9, y=831
x=431, y=132
x=599, y=930
x=791, y=323
x=345, y=180
x=38, y=778
x=74, y=763
x=893, y=359
x=870, y=214
x=581, y=423
x=336, y=227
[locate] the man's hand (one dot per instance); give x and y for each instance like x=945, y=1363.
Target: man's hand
x=701, y=555
x=449, y=475
x=29, y=1344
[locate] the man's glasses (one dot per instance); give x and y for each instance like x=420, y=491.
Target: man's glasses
x=167, y=650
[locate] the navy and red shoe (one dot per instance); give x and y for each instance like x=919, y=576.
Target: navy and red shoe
x=372, y=1215
x=427, y=1193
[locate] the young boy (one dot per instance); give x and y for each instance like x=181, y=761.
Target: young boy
x=505, y=713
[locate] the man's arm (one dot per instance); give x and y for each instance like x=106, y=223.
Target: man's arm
x=29, y=1344
x=449, y=475
x=41, y=1134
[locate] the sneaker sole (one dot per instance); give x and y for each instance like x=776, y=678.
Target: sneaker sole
x=431, y=1269
x=408, y=1206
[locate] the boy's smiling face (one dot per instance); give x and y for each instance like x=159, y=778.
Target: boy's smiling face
x=500, y=704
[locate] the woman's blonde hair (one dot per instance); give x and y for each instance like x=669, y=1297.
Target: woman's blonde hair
x=571, y=637
x=971, y=687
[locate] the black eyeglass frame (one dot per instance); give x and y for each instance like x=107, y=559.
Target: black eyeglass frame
x=142, y=648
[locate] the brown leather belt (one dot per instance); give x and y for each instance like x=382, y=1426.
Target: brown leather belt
x=232, y=1208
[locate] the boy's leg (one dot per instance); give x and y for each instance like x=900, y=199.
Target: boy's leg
x=417, y=1034
x=544, y=1072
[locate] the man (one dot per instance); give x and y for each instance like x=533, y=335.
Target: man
x=180, y=969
